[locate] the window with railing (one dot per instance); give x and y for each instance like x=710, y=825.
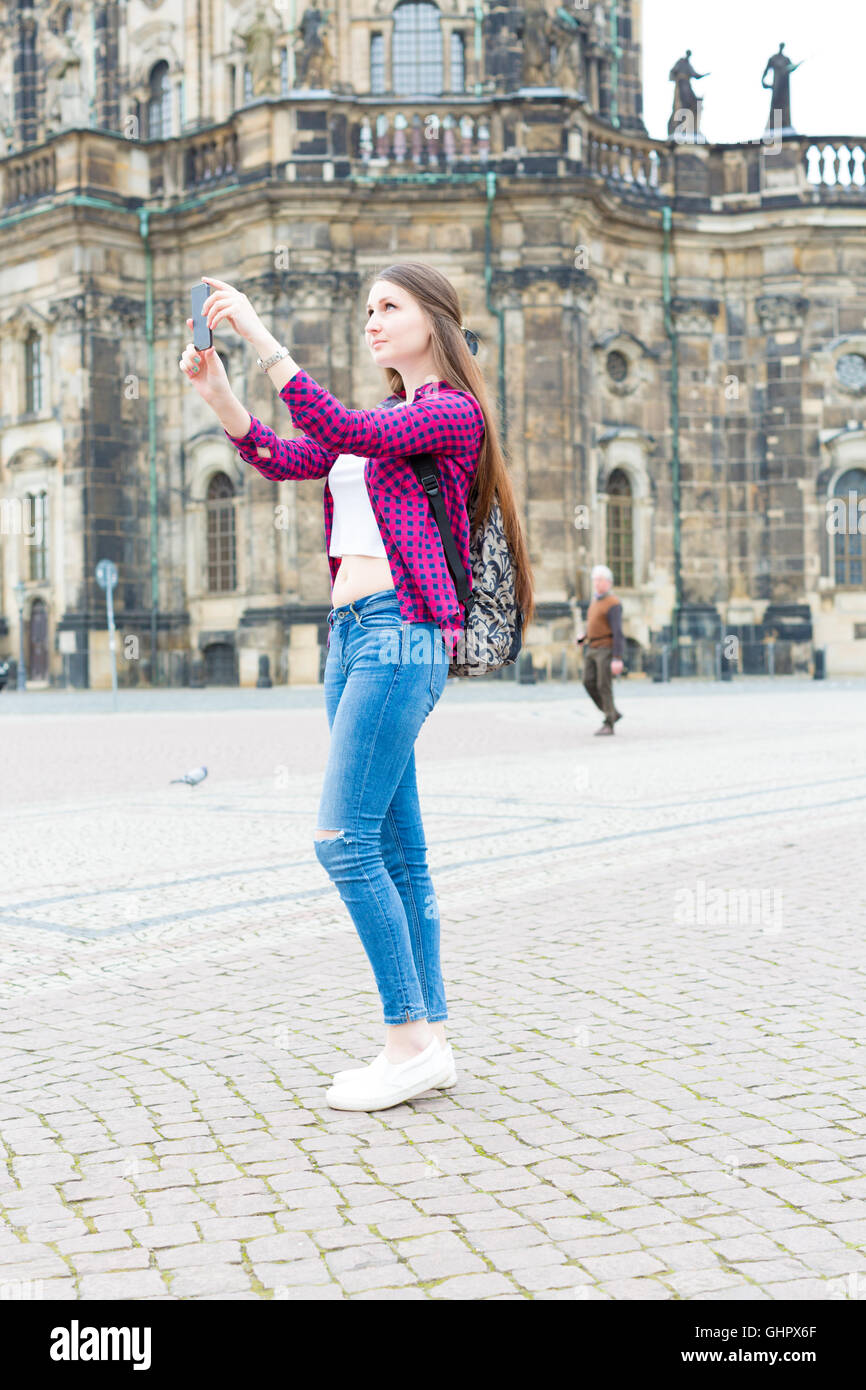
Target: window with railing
x=159, y=103
x=377, y=64
x=620, y=529
x=221, y=554
x=32, y=372
x=417, y=49
x=848, y=548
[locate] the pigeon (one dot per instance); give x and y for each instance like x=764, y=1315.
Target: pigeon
x=193, y=778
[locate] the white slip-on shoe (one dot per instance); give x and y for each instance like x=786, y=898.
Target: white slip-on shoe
x=390, y=1083
x=353, y=1072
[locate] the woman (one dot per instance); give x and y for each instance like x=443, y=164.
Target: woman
x=394, y=621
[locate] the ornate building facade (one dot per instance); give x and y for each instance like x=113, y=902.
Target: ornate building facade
x=674, y=331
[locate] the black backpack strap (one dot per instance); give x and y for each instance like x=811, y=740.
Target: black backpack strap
x=424, y=469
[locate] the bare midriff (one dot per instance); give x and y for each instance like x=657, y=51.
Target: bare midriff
x=358, y=576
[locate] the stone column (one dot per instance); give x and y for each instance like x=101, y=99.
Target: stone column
x=784, y=461
x=703, y=499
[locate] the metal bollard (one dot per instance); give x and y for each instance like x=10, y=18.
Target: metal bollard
x=526, y=670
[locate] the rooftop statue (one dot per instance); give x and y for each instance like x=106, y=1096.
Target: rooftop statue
x=780, y=102
x=685, y=118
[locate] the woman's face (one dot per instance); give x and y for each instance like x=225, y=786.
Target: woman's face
x=397, y=329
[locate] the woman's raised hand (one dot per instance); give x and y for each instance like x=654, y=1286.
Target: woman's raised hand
x=205, y=370
x=225, y=302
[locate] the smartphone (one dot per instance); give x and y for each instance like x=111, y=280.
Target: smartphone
x=202, y=336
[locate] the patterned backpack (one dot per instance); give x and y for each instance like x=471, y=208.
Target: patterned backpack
x=494, y=621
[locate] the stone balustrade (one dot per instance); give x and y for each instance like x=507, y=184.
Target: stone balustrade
x=422, y=139
x=28, y=177
x=344, y=137
x=837, y=163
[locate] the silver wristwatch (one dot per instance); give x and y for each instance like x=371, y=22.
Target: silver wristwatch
x=275, y=357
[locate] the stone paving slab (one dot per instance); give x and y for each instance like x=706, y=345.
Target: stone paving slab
x=652, y=948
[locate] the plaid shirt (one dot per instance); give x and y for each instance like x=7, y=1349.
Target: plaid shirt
x=441, y=420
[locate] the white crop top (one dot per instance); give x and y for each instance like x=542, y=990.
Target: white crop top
x=354, y=528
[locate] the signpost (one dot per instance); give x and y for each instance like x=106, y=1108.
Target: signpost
x=106, y=578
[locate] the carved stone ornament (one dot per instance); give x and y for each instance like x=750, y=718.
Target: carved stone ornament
x=615, y=351
x=69, y=312
x=118, y=314
x=840, y=367
x=18, y=322
x=556, y=284
x=779, y=311
x=694, y=314
x=31, y=458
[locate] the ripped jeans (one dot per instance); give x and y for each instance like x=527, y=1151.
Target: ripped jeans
x=382, y=678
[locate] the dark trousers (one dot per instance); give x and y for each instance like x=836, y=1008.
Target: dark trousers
x=597, y=679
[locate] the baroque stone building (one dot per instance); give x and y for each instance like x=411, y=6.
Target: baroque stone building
x=674, y=330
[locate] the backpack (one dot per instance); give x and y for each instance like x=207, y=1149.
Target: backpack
x=494, y=622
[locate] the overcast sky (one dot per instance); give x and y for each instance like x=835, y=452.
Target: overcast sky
x=732, y=41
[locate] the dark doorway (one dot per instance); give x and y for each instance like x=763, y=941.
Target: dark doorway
x=220, y=664
x=37, y=657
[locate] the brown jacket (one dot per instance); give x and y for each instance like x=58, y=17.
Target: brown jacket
x=604, y=624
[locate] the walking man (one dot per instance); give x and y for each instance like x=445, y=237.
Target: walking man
x=603, y=645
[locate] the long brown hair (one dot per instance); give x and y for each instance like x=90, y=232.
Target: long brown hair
x=455, y=364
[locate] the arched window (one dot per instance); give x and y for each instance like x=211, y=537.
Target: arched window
x=458, y=63
x=221, y=568
x=33, y=372
x=377, y=64
x=159, y=103
x=35, y=527
x=417, y=50
x=620, y=529
x=848, y=556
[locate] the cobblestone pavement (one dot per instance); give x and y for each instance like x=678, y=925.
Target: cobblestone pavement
x=654, y=952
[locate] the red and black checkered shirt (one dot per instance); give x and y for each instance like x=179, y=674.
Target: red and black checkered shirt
x=440, y=420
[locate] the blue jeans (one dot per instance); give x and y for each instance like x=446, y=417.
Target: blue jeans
x=382, y=678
